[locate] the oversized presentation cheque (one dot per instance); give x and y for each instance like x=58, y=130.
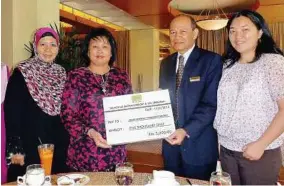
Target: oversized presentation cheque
x=138, y=117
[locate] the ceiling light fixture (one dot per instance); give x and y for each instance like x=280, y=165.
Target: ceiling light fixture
x=212, y=19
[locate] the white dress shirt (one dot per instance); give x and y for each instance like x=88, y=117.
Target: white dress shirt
x=185, y=55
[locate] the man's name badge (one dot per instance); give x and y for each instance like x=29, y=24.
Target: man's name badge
x=194, y=78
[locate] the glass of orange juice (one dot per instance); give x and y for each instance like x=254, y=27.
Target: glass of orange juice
x=46, y=155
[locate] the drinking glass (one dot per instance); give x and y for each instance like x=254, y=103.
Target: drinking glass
x=220, y=178
x=14, y=146
x=46, y=155
x=124, y=173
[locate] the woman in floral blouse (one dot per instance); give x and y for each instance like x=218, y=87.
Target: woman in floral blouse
x=250, y=113
x=82, y=105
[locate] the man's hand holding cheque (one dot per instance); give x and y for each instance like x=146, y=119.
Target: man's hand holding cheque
x=177, y=137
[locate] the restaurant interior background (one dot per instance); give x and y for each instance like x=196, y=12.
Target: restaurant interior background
x=140, y=28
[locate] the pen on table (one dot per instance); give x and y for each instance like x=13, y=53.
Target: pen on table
x=188, y=181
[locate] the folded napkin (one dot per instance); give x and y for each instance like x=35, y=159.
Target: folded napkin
x=165, y=178
x=163, y=174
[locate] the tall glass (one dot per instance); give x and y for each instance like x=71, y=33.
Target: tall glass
x=124, y=173
x=46, y=155
x=220, y=178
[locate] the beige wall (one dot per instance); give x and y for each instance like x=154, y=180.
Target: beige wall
x=6, y=31
x=47, y=12
x=24, y=24
x=19, y=19
x=144, y=58
x=272, y=13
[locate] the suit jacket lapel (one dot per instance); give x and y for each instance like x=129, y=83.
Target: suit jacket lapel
x=172, y=71
x=192, y=60
x=189, y=68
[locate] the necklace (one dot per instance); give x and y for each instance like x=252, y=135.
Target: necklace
x=100, y=73
x=104, y=82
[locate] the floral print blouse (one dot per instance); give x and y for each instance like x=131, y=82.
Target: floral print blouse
x=247, y=101
x=82, y=109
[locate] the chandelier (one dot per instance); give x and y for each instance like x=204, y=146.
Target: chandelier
x=209, y=14
x=212, y=24
x=212, y=19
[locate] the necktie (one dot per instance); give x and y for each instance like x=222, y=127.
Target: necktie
x=178, y=81
x=179, y=71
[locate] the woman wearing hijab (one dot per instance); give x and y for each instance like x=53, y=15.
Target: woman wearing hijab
x=32, y=107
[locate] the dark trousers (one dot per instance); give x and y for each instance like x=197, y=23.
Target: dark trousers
x=173, y=162
x=246, y=172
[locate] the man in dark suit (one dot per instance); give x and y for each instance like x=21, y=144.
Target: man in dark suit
x=192, y=76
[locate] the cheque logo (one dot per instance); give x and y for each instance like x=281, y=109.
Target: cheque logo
x=136, y=98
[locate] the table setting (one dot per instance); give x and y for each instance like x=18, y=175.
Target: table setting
x=124, y=175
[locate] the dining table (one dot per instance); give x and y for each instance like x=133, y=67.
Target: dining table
x=108, y=178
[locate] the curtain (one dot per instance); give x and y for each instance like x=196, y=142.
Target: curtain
x=212, y=40
x=122, y=40
x=216, y=40
x=277, y=30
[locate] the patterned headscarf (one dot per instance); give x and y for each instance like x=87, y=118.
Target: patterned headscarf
x=39, y=33
x=44, y=80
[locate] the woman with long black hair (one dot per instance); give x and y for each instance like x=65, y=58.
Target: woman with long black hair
x=250, y=112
